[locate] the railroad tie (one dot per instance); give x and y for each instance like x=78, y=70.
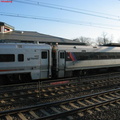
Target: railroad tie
x=112, y=105
x=97, y=109
x=54, y=109
x=118, y=94
x=46, y=95
x=73, y=86
x=67, y=86
x=12, y=100
x=45, y=112
x=36, y=91
x=113, y=95
x=89, y=111
x=89, y=102
x=83, y=88
x=94, y=82
x=43, y=90
x=73, y=105
x=34, y=114
x=88, y=87
x=8, y=117
x=2, y=101
x=95, y=100
x=22, y=116
x=61, y=87
x=64, y=107
x=108, y=97
x=6, y=95
x=105, y=107
x=53, y=94
x=50, y=89
x=102, y=98
x=81, y=103
x=72, y=90
x=60, y=93
x=81, y=114
x=56, y=88
x=29, y=92
x=66, y=91
x=118, y=102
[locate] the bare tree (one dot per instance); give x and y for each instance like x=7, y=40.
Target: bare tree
x=82, y=39
x=104, y=39
x=99, y=41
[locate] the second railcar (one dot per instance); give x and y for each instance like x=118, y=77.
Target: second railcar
x=70, y=60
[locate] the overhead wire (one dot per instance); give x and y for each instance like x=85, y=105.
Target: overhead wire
x=83, y=23
x=65, y=8
x=70, y=9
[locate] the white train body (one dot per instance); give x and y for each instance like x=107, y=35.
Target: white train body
x=24, y=59
x=74, y=59
x=42, y=61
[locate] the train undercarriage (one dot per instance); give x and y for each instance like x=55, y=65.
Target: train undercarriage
x=15, y=78
x=26, y=77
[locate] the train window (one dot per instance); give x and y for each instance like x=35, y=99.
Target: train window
x=20, y=57
x=7, y=57
x=94, y=56
x=62, y=55
x=112, y=56
x=84, y=57
x=103, y=56
x=68, y=56
x=44, y=55
x=77, y=55
x=118, y=56
x=83, y=51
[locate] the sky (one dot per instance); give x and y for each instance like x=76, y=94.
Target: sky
x=64, y=18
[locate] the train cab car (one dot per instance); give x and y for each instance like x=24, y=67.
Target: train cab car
x=25, y=61
x=71, y=60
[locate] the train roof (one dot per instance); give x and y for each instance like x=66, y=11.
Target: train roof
x=25, y=45
x=112, y=45
x=72, y=47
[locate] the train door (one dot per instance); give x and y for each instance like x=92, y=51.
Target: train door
x=61, y=63
x=44, y=64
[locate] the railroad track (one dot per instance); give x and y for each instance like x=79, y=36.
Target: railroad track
x=66, y=108
x=36, y=93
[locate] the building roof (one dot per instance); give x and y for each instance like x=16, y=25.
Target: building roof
x=4, y=24
x=8, y=34
x=30, y=36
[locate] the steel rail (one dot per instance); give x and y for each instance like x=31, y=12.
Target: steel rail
x=25, y=109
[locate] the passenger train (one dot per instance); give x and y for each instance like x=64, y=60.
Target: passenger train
x=42, y=61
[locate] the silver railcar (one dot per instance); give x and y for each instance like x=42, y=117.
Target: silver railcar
x=25, y=60
x=76, y=60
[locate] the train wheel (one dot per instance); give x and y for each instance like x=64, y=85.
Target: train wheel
x=79, y=73
x=12, y=78
x=25, y=77
x=3, y=80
